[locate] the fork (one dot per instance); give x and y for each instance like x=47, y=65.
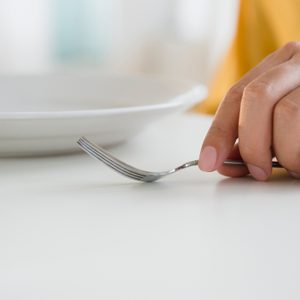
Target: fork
x=137, y=174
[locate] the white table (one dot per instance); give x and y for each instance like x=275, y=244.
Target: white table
x=70, y=228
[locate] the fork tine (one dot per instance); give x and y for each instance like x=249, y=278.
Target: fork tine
x=117, y=169
x=110, y=157
x=118, y=164
x=110, y=163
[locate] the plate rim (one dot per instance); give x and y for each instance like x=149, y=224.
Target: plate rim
x=191, y=97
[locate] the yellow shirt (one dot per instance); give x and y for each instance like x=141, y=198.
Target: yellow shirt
x=263, y=27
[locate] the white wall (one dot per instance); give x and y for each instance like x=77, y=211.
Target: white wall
x=24, y=35
x=183, y=38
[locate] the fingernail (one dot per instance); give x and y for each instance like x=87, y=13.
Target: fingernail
x=208, y=159
x=257, y=172
x=296, y=175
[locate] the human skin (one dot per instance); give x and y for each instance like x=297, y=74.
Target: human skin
x=259, y=118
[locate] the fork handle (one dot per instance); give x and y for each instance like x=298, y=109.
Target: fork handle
x=230, y=162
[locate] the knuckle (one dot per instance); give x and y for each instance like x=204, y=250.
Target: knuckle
x=286, y=110
x=253, y=151
x=217, y=130
x=290, y=159
x=293, y=46
x=258, y=90
x=233, y=95
x=248, y=152
x=236, y=91
x=285, y=136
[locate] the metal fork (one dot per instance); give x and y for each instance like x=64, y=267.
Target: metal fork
x=137, y=174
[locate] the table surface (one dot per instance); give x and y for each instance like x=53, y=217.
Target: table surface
x=71, y=228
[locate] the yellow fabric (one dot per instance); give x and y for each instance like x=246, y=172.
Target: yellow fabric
x=263, y=27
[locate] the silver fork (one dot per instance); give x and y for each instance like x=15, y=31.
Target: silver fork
x=137, y=174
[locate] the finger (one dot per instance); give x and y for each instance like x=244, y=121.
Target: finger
x=255, y=122
x=295, y=175
x=234, y=171
x=286, y=129
x=224, y=129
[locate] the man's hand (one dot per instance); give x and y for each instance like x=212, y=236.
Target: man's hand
x=259, y=118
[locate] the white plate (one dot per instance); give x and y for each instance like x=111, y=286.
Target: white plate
x=46, y=114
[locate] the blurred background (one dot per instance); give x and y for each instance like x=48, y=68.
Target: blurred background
x=178, y=38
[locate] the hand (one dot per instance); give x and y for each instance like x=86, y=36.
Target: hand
x=259, y=118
